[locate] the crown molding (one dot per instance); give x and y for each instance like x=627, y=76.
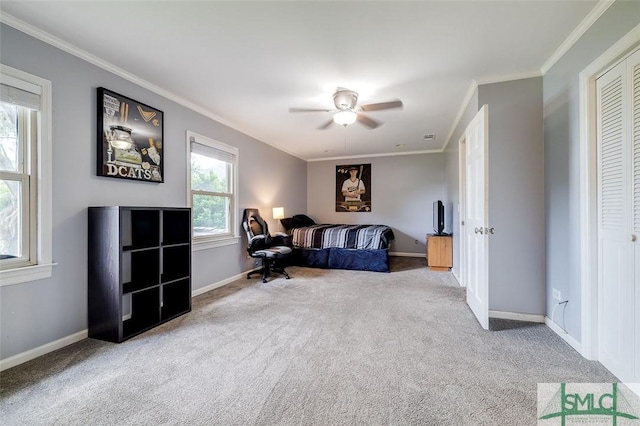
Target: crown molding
x=387, y=154
x=463, y=106
x=107, y=66
x=575, y=35
x=508, y=77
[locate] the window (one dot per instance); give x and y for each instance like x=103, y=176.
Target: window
x=212, y=191
x=18, y=156
x=25, y=177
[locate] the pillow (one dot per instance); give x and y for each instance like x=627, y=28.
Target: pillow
x=287, y=223
x=301, y=220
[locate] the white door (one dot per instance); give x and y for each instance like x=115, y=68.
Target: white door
x=618, y=131
x=476, y=217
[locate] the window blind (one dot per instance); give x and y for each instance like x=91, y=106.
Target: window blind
x=19, y=93
x=212, y=152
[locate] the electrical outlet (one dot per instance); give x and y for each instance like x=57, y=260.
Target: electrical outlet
x=556, y=294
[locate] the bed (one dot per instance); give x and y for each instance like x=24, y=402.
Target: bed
x=339, y=246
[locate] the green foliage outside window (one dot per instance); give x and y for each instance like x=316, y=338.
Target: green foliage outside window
x=9, y=191
x=210, y=212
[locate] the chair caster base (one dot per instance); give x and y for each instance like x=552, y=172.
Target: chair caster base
x=266, y=273
x=281, y=271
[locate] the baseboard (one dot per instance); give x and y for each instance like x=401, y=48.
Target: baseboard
x=517, y=316
x=563, y=335
x=42, y=350
x=219, y=284
x=457, y=278
x=405, y=254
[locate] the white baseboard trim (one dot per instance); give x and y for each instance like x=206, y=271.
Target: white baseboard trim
x=456, y=277
x=405, y=254
x=517, y=316
x=42, y=350
x=219, y=284
x=563, y=335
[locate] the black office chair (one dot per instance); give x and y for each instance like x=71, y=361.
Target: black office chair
x=261, y=245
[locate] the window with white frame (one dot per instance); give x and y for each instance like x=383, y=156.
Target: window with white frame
x=212, y=191
x=25, y=177
x=18, y=156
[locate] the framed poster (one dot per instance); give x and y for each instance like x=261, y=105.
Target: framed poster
x=130, y=138
x=353, y=188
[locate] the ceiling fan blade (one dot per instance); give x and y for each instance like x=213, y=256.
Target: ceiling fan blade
x=326, y=125
x=381, y=105
x=367, y=121
x=309, y=110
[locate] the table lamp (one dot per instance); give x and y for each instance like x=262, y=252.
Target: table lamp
x=278, y=213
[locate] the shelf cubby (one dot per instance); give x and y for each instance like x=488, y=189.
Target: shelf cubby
x=145, y=312
x=173, y=232
x=176, y=262
x=176, y=297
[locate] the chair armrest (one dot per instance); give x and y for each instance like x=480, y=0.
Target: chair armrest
x=257, y=242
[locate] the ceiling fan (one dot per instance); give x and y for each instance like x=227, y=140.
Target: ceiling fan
x=346, y=112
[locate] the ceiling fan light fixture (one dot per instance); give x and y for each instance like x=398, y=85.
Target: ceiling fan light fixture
x=345, y=99
x=344, y=118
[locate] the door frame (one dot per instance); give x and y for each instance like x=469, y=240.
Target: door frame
x=462, y=206
x=588, y=189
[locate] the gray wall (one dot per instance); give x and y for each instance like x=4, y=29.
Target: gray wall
x=404, y=188
x=516, y=195
x=39, y=312
x=515, y=161
x=562, y=156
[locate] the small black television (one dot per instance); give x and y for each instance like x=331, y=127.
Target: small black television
x=438, y=217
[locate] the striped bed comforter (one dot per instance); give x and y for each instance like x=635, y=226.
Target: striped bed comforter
x=364, y=237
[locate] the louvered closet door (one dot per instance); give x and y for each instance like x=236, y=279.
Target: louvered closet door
x=633, y=65
x=618, y=216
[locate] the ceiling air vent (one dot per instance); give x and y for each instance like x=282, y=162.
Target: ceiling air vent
x=427, y=137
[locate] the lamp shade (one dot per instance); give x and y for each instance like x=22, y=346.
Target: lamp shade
x=278, y=212
x=345, y=117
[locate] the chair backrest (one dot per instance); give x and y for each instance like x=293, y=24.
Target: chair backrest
x=254, y=224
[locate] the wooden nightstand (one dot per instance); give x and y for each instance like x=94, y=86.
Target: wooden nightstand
x=439, y=252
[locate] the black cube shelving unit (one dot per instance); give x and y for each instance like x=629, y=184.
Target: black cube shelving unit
x=139, y=269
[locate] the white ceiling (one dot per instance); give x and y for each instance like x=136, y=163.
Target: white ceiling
x=247, y=63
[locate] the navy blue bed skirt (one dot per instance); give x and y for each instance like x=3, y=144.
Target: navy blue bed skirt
x=376, y=260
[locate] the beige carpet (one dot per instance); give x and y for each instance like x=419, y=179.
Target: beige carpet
x=328, y=347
